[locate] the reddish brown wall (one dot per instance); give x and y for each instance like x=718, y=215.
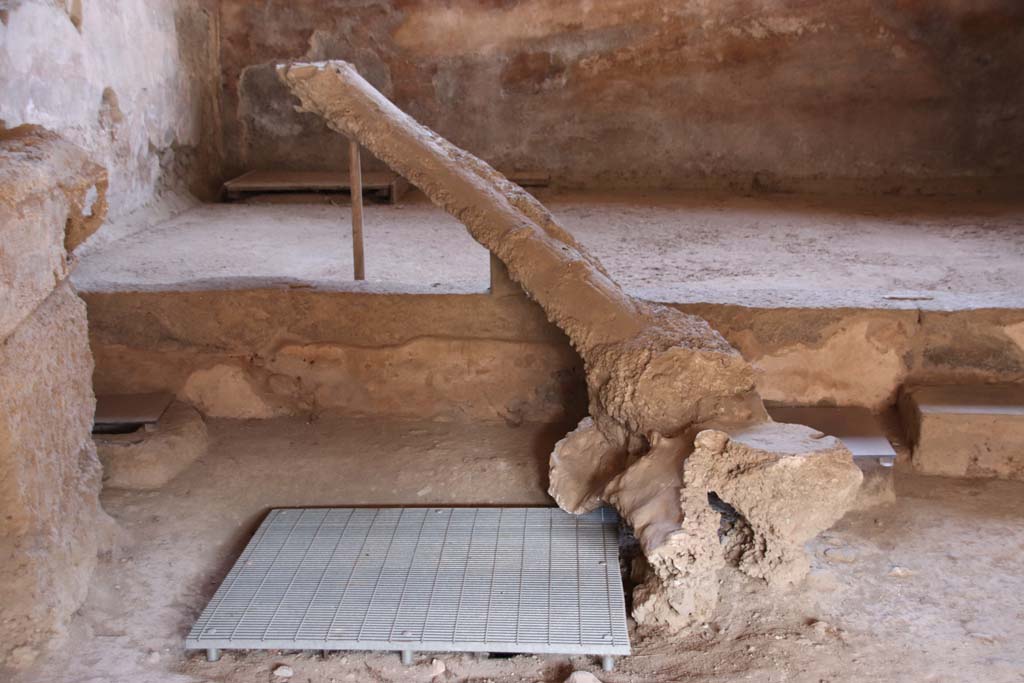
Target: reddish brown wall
x=132, y=82
x=870, y=94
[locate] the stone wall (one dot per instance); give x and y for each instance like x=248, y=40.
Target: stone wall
x=257, y=352
x=51, y=524
x=254, y=353
x=133, y=82
x=862, y=357
x=754, y=94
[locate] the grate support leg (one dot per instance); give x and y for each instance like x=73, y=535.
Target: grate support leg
x=407, y=657
x=212, y=654
x=607, y=663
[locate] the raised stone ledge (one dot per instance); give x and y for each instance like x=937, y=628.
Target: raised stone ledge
x=966, y=430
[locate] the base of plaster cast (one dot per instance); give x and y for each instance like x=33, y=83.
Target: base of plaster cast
x=749, y=498
x=148, y=459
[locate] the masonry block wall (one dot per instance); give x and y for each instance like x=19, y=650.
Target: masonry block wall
x=51, y=523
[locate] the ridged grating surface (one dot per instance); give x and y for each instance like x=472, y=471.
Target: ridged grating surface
x=529, y=580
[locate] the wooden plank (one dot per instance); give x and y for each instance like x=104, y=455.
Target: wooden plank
x=394, y=185
x=338, y=181
x=356, y=181
x=529, y=178
x=307, y=181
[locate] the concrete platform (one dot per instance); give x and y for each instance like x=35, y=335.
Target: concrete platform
x=759, y=252
x=248, y=310
x=967, y=430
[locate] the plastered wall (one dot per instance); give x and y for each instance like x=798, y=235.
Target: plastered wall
x=861, y=95
x=133, y=82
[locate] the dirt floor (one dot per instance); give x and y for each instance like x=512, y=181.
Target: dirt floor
x=928, y=589
x=754, y=251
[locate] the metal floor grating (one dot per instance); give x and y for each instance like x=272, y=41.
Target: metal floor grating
x=522, y=580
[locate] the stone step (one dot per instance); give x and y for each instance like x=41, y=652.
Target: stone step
x=966, y=430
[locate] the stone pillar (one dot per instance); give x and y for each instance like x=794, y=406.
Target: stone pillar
x=51, y=523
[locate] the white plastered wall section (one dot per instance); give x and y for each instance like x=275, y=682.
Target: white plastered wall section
x=112, y=77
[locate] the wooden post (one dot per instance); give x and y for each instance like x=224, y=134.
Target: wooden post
x=355, y=172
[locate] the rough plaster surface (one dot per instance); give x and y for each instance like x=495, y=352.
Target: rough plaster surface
x=52, y=197
x=654, y=374
x=878, y=488
x=226, y=391
x=131, y=81
x=150, y=341
x=861, y=363
x=1016, y=333
x=435, y=377
x=869, y=95
x=293, y=351
x=148, y=459
x=49, y=476
x=862, y=357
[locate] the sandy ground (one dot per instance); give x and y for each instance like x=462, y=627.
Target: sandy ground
x=754, y=251
x=927, y=589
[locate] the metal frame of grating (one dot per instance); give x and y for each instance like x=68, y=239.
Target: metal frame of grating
x=520, y=580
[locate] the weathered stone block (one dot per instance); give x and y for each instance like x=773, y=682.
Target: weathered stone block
x=49, y=474
x=967, y=430
x=52, y=197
